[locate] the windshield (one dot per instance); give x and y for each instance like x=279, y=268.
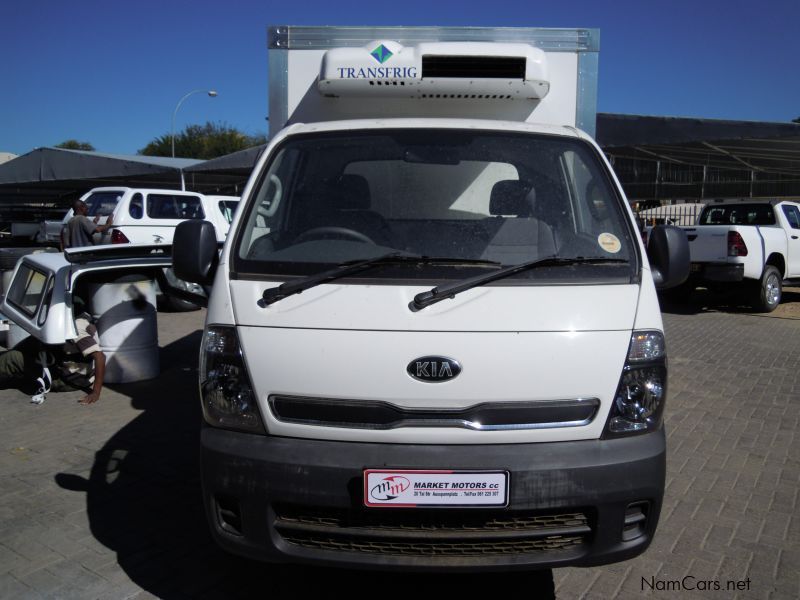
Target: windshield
x=507, y=198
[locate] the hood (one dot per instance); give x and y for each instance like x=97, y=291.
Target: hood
x=567, y=308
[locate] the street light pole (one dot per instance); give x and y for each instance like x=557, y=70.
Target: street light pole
x=211, y=93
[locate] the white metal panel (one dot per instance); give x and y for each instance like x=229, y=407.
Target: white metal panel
x=768, y=240
x=497, y=367
x=220, y=307
x=560, y=105
x=648, y=311
x=792, y=239
x=145, y=233
x=56, y=329
x=711, y=243
x=565, y=308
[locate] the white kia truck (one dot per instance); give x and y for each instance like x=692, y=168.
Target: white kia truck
x=433, y=340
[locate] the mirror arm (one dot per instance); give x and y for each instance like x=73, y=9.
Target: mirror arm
x=171, y=290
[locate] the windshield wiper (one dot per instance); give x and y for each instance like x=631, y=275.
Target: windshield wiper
x=444, y=292
x=297, y=286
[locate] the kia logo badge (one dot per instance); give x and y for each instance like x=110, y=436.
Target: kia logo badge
x=433, y=369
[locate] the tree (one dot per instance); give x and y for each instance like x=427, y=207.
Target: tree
x=75, y=145
x=203, y=141
x=797, y=120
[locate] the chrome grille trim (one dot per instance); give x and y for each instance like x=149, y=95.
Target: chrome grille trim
x=487, y=416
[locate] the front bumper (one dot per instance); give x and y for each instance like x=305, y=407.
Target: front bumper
x=295, y=500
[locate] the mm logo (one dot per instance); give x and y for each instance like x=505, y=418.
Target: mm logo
x=389, y=488
x=381, y=54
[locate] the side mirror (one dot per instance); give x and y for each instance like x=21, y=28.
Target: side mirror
x=668, y=252
x=194, y=252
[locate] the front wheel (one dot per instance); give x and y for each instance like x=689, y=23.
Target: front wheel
x=769, y=291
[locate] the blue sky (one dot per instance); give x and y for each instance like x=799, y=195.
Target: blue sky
x=110, y=73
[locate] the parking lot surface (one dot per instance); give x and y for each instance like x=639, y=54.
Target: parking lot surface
x=103, y=501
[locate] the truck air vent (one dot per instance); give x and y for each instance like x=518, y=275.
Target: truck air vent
x=635, y=520
x=229, y=514
x=468, y=96
x=473, y=67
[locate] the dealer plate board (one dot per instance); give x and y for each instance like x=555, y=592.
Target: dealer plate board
x=417, y=488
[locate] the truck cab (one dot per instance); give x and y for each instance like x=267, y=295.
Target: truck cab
x=433, y=343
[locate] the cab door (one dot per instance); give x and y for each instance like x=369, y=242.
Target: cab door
x=791, y=213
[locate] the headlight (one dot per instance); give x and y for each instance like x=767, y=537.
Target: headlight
x=225, y=391
x=638, y=405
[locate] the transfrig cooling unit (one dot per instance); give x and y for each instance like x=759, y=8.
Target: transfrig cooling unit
x=466, y=70
x=532, y=75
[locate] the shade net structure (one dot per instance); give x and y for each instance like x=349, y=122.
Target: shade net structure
x=668, y=158
x=656, y=159
x=44, y=182
x=228, y=173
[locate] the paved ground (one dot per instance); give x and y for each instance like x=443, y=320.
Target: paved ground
x=103, y=501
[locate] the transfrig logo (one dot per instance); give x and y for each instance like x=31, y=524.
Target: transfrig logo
x=390, y=488
x=381, y=54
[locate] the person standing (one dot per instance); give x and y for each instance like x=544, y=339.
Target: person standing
x=80, y=228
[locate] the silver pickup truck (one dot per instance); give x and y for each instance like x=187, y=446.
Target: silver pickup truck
x=753, y=243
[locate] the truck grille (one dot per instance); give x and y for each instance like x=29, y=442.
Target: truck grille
x=431, y=533
x=492, y=416
x=436, y=548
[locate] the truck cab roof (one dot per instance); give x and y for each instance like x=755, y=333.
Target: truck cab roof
x=435, y=123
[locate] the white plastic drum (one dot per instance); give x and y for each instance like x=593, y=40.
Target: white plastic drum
x=125, y=314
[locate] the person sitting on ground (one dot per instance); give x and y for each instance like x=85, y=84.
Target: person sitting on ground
x=79, y=229
x=77, y=365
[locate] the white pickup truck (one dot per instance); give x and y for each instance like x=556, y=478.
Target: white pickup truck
x=746, y=242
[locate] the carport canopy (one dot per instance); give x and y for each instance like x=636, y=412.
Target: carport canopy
x=51, y=175
x=56, y=164
x=757, y=146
